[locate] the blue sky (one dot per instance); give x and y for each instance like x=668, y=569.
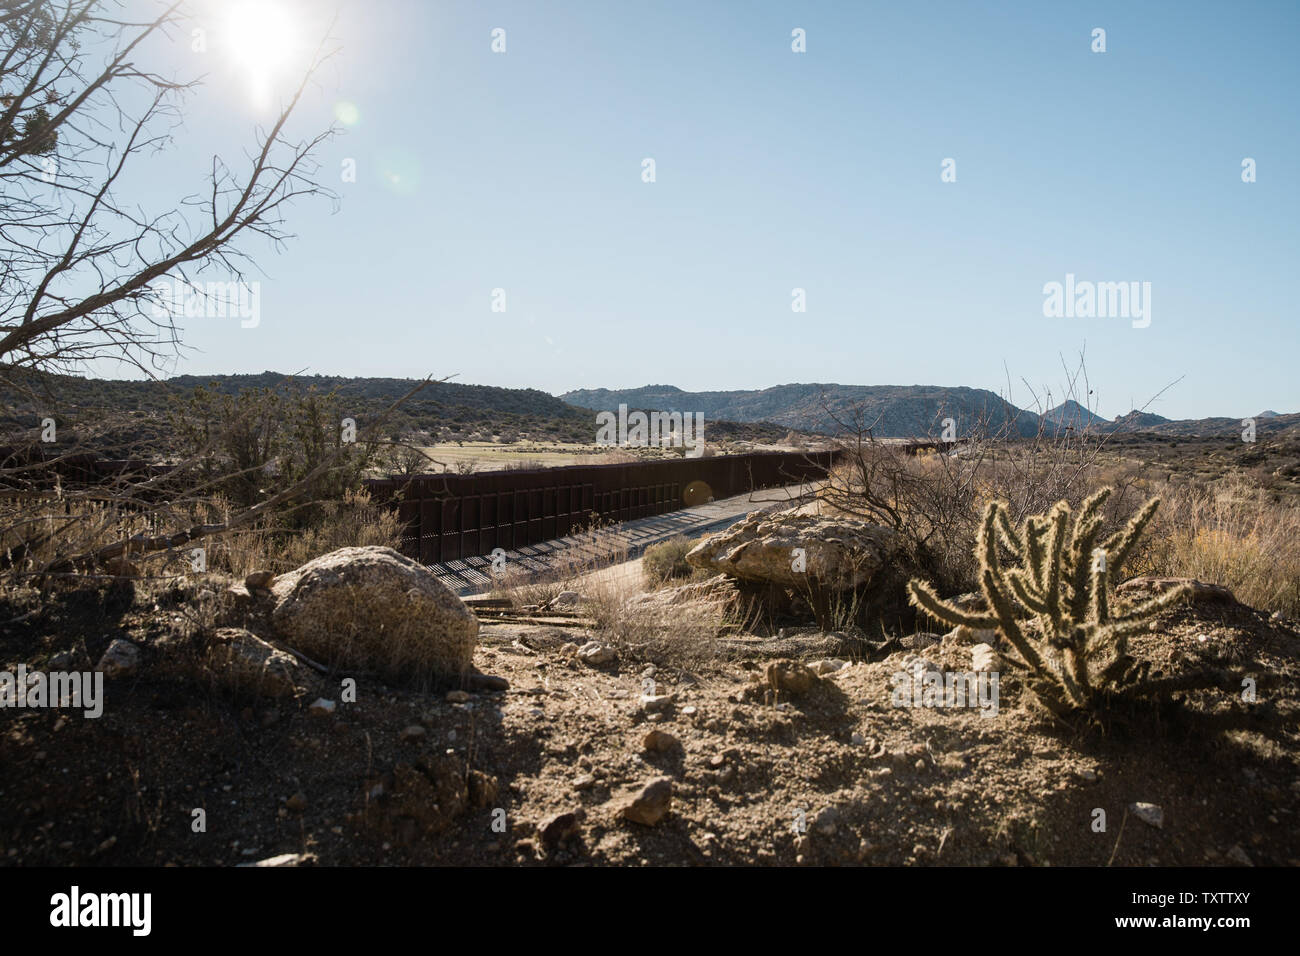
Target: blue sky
x=775, y=170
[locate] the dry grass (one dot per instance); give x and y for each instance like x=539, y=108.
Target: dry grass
x=683, y=635
x=1234, y=533
x=49, y=527
x=354, y=522
x=568, y=570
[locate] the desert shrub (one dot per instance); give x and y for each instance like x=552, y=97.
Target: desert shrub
x=930, y=501
x=684, y=635
x=666, y=560
x=934, y=498
x=247, y=445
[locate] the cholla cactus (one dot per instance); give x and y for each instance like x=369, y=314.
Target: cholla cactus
x=1079, y=650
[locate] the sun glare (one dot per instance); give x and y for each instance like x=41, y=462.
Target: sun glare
x=262, y=37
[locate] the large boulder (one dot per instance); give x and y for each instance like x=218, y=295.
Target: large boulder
x=376, y=610
x=839, y=554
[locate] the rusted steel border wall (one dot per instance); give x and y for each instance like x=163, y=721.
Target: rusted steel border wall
x=447, y=517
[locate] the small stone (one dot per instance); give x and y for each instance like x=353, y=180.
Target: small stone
x=489, y=683
x=321, y=707
x=62, y=660
x=1149, y=813
x=717, y=760
x=857, y=740
x=458, y=697
x=585, y=782
x=121, y=659
x=657, y=703
x=259, y=580
x=1090, y=776
x=827, y=666
x=827, y=821
x=689, y=710
x=1237, y=855
x=284, y=859
x=659, y=742
x=297, y=803
x=983, y=658
x=565, y=599
x=790, y=676
x=596, y=654
x=106, y=845
x=412, y=733
x=559, y=828
x=649, y=805
x=962, y=634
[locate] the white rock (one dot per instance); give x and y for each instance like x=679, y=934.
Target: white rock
x=596, y=653
x=657, y=703
x=566, y=599
x=284, y=859
x=983, y=658
x=121, y=659
x=1149, y=813
x=321, y=707
x=827, y=666
x=961, y=634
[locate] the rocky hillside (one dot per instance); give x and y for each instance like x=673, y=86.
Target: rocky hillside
x=126, y=412
x=893, y=411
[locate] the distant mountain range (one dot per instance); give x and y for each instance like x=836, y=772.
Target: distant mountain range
x=901, y=411
x=889, y=410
